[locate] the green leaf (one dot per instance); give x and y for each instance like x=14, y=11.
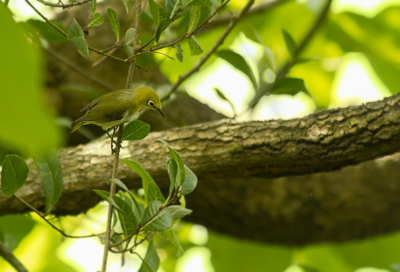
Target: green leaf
x=114, y=22
x=103, y=194
x=194, y=46
x=172, y=169
x=106, y=196
x=201, y=3
x=160, y=17
x=127, y=5
x=290, y=86
x=130, y=36
x=190, y=182
x=171, y=6
x=152, y=192
x=96, y=20
x=179, y=163
x=290, y=43
x=157, y=220
x=238, y=62
x=129, y=218
x=50, y=171
x=179, y=52
x=13, y=175
x=136, y=130
x=151, y=261
x=171, y=236
x=123, y=186
x=178, y=211
x=47, y=32
x=76, y=36
x=194, y=17
x=93, y=5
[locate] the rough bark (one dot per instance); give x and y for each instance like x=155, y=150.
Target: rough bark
x=234, y=163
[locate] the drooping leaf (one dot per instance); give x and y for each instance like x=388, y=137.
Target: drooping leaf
x=171, y=236
x=127, y=5
x=190, y=182
x=75, y=35
x=180, y=176
x=114, y=22
x=96, y=20
x=290, y=43
x=136, y=130
x=178, y=211
x=13, y=175
x=194, y=46
x=179, y=52
x=290, y=86
x=172, y=171
x=201, y=3
x=130, y=36
x=151, y=261
x=101, y=193
x=49, y=168
x=129, y=219
x=123, y=186
x=238, y=62
x=93, y=5
x=152, y=192
x=194, y=17
x=157, y=220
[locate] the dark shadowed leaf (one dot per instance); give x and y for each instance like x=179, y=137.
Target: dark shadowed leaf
x=50, y=171
x=160, y=17
x=151, y=261
x=76, y=36
x=194, y=46
x=171, y=236
x=136, y=130
x=238, y=62
x=47, y=31
x=290, y=43
x=290, y=86
x=179, y=52
x=114, y=22
x=13, y=174
x=190, y=182
x=123, y=186
x=172, y=171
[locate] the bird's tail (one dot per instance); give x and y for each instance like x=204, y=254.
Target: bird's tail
x=78, y=123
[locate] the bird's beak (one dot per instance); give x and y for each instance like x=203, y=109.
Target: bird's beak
x=160, y=111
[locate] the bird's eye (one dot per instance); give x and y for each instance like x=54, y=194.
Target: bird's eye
x=151, y=103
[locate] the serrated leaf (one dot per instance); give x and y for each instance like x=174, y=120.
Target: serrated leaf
x=160, y=17
x=180, y=176
x=178, y=211
x=190, y=182
x=201, y=3
x=290, y=86
x=130, y=36
x=194, y=46
x=96, y=20
x=179, y=52
x=194, y=17
x=152, y=192
x=157, y=220
x=127, y=5
x=171, y=236
x=76, y=36
x=13, y=175
x=290, y=43
x=238, y=62
x=49, y=168
x=151, y=261
x=93, y=5
x=114, y=22
x=136, y=130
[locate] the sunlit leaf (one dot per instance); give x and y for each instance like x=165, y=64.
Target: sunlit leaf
x=151, y=261
x=13, y=175
x=194, y=46
x=194, y=17
x=96, y=20
x=152, y=192
x=290, y=43
x=49, y=168
x=136, y=130
x=114, y=22
x=238, y=62
x=76, y=36
x=130, y=36
x=290, y=86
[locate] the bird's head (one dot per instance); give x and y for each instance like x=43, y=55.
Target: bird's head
x=146, y=97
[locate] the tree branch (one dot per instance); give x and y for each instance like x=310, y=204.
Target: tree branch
x=235, y=163
x=11, y=259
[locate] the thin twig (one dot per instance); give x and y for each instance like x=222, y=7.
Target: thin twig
x=53, y=226
x=211, y=51
x=131, y=71
x=11, y=259
x=64, y=6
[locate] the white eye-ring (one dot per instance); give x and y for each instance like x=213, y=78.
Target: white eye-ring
x=150, y=103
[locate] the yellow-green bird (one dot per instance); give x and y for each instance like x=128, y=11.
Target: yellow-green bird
x=117, y=107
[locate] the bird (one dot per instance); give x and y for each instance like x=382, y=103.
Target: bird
x=118, y=107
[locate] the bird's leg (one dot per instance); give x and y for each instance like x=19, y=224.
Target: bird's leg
x=113, y=141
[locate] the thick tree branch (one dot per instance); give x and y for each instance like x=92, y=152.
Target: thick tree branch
x=234, y=162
